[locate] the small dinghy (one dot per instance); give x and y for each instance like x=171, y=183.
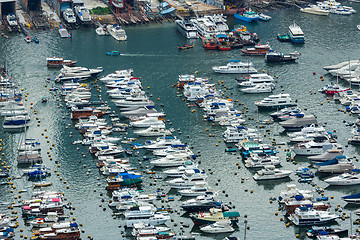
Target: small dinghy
x=113, y=53
x=185, y=46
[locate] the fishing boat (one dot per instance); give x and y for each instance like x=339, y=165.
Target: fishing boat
x=185, y=46
x=271, y=173
x=296, y=34
x=260, y=49
x=214, y=215
x=278, y=57
x=116, y=32
x=209, y=43
x=236, y=66
x=218, y=227
x=247, y=16
x=283, y=37
x=187, y=28
x=59, y=62
x=223, y=42
x=281, y=100
x=306, y=216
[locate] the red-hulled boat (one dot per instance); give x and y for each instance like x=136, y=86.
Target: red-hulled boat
x=260, y=49
x=223, y=42
x=209, y=43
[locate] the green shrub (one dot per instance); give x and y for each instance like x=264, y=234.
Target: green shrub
x=101, y=11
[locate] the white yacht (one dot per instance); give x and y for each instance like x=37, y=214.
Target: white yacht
x=179, y=171
x=11, y=19
x=187, y=28
x=205, y=27
x=307, y=216
x=153, y=131
x=257, y=161
x=296, y=34
x=162, y=143
x=118, y=75
x=237, y=67
x=291, y=191
x=259, y=88
x=147, y=122
x=281, y=100
x=116, y=32
x=69, y=16
x=238, y=133
x=174, y=149
x=145, y=215
x=190, y=178
x=313, y=148
x=219, y=21
x=315, y=9
x=131, y=101
x=83, y=14
x=345, y=179
x=255, y=79
x=171, y=161
x=271, y=173
x=218, y=227
x=70, y=73
x=196, y=190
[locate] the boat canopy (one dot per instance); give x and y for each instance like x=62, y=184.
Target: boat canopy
x=235, y=61
x=231, y=214
x=221, y=36
x=179, y=145
x=357, y=195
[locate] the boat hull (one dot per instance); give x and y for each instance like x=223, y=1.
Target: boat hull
x=245, y=19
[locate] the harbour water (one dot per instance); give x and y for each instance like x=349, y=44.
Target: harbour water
x=151, y=51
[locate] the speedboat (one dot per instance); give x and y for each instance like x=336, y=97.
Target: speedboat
x=259, y=88
x=153, y=131
x=236, y=66
x=69, y=16
x=281, y=100
x=270, y=173
x=218, y=227
x=174, y=149
x=116, y=32
x=354, y=198
x=285, y=111
x=305, y=216
x=264, y=17
x=314, y=9
x=187, y=28
x=345, y=179
x=83, y=14
x=11, y=19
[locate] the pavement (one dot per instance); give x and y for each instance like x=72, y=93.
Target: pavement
x=90, y=4
x=49, y=12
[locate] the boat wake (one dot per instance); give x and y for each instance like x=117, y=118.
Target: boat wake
x=141, y=55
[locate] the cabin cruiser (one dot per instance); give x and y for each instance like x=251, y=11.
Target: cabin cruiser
x=261, y=160
x=255, y=79
x=118, y=75
x=214, y=215
x=259, y=88
x=296, y=34
x=306, y=216
x=11, y=19
x=141, y=111
x=145, y=215
x=350, y=66
x=291, y=191
x=237, y=67
x=147, y=122
x=193, y=91
x=133, y=101
x=196, y=190
x=314, y=148
x=70, y=73
x=354, y=198
x=153, y=131
x=281, y=100
x=340, y=65
x=201, y=203
x=219, y=21
x=340, y=164
x=312, y=129
x=218, y=227
x=69, y=16
x=315, y=9
x=116, y=32
x=179, y=171
x=205, y=27
x=16, y=123
x=174, y=149
x=327, y=155
x=83, y=14
x=238, y=133
x=173, y=160
x=190, y=178
x=51, y=217
x=285, y=112
x=161, y=143
x=271, y=173
x=299, y=122
x=345, y=179
x=187, y=28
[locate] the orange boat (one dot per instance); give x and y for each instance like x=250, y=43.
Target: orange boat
x=257, y=50
x=209, y=43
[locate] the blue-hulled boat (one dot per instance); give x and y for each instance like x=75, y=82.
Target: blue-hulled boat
x=247, y=16
x=113, y=53
x=296, y=34
x=355, y=198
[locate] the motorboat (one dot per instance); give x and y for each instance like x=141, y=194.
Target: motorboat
x=285, y=111
x=259, y=88
x=161, y=143
x=314, y=9
x=247, y=16
x=214, y=215
x=196, y=190
x=174, y=149
x=255, y=79
x=190, y=178
x=327, y=155
x=296, y=34
x=187, y=28
x=312, y=129
x=353, y=198
x=315, y=231
x=281, y=100
x=69, y=16
x=340, y=65
x=145, y=215
x=236, y=66
x=257, y=160
x=101, y=31
x=70, y=73
x=83, y=14
x=278, y=57
x=201, y=203
x=16, y=123
x=116, y=32
x=271, y=173
x=218, y=227
x=179, y=171
x=12, y=20
x=238, y=133
x=220, y=22
x=314, y=148
x=299, y=122
x=292, y=191
x=340, y=164
x=133, y=101
x=51, y=217
x=118, y=75
x=306, y=216
x=142, y=111
x=260, y=50
x=153, y=131
x=345, y=179
x=205, y=27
